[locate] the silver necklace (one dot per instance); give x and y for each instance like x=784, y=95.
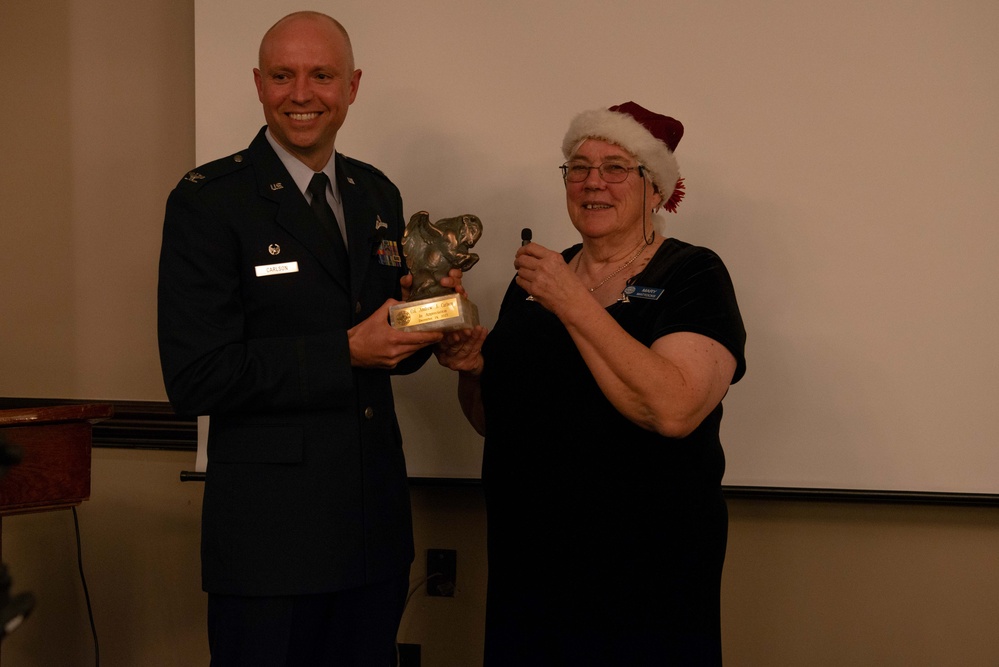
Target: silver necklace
x=642, y=245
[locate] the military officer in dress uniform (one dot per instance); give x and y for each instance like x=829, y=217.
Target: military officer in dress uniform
x=277, y=269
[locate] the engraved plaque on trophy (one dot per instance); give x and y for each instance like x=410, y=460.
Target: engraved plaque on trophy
x=432, y=249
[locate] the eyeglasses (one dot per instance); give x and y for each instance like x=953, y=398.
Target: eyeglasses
x=611, y=172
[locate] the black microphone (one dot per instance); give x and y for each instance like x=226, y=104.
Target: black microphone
x=525, y=238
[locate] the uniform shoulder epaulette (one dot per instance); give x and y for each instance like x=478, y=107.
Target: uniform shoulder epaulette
x=364, y=165
x=214, y=169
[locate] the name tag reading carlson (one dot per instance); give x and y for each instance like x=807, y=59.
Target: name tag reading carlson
x=276, y=269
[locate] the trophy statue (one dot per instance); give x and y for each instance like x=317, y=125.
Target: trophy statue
x=432, y=249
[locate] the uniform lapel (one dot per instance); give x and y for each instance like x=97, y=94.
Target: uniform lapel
x=294, y=215
x=361, y=216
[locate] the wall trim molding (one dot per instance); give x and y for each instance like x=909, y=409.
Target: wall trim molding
x=868, y=496
x=154, y=425
x=134, y=424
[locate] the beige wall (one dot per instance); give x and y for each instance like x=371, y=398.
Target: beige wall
x=839, y=156
x=816, y=584
x=96, y=130
x=840, y=584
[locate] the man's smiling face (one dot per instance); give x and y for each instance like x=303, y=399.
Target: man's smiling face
x=305, y=82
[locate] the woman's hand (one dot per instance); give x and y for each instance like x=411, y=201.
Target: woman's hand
x=462, y=350
x=544, y=275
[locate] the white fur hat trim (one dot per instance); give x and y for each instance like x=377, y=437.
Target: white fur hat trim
x=622, y=129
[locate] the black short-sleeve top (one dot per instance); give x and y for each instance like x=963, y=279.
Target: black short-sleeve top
x=552, y=436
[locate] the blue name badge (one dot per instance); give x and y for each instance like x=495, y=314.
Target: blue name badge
x=638, y=292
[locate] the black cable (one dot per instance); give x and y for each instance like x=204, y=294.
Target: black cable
x=86, y=593
x=419, y=584
x=648, y=241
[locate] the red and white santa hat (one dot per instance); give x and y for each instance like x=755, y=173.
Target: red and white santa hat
x=650, y=137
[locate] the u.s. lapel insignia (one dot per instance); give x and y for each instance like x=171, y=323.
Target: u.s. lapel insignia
x=194, y=177
x=274, y=249
x=350, y=180
x=379, y=223
x=277, y=186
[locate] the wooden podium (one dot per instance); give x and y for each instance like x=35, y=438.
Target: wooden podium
x=54, y=472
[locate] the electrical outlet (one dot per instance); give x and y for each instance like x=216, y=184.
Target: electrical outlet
x=442, y=566
x=409, y=655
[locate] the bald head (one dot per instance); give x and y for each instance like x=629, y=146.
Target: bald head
x=318, y=17
x=306, y=81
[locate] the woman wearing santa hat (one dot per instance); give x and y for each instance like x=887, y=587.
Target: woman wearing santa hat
x=599, y=395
